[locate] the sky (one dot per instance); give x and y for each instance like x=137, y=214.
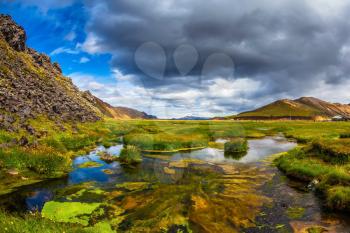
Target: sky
x=173, y=58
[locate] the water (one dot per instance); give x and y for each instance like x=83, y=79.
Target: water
x=258, y=149
x=235, y=194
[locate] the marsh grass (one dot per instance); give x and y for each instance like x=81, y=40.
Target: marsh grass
x=29, y=223
x=333, y=181
x=43, y=160
x=236, y=145
x=333, y=151
x=130, y=155
x=165, y=141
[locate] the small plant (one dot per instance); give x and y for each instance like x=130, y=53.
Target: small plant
x=237, y=145
x=130, y=155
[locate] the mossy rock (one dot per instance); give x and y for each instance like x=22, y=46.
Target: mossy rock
x=69, y=212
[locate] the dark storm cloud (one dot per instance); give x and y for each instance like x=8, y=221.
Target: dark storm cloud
x=287, y=46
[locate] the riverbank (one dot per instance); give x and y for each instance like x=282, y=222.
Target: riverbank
x=59, y=147
x=325, y=168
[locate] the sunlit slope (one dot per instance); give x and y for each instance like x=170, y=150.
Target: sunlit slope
x=303, y=108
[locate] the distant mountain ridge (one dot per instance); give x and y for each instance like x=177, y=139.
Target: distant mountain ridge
x=188, y=118
x=303, y=108
x=117, y=112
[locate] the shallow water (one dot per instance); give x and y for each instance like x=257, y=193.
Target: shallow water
x=258, y=149
x=200, y=190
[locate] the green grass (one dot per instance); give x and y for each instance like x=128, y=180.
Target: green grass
x=164, y=141
x=54, y=150
x=130, y=155
x=333, y=181
x=236, y=145
x=34, y=223
x=43, y=160
x=338, y=197
x=333, y=151
x=282, y=109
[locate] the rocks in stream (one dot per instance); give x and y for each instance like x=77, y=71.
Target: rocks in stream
x=108, y=158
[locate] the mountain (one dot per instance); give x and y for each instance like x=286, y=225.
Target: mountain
x=303, y=108
x=191, y=118
x=31, y=85
x=117, y=112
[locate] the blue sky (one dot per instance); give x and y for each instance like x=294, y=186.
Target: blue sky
x=60, y=30
x=173, y=58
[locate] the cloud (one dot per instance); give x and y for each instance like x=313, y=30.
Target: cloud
x=84, y=60
x=278, y=49
x=61, y=50
x=47, y=4
x=70, y=36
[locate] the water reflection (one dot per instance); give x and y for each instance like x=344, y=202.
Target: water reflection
x=258, y=149
x=150, y=169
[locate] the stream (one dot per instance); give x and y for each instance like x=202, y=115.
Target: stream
x=202, y=190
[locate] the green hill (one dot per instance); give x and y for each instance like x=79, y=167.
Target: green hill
x=304, y=108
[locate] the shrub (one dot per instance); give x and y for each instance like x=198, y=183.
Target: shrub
x=130, y=155
x=237, y=145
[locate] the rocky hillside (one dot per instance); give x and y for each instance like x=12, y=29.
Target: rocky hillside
x=31, y=85
x=117, y=112
x=308, y=108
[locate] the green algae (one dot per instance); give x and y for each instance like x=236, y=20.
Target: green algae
x=133, y=186
x=210, y=201
x=69, y=212
x=90, y=164
x=108, y=171
x=316, y=229
x=87, y=194
x=295, y=212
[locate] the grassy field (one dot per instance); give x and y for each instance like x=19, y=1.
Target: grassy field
x=323, y=158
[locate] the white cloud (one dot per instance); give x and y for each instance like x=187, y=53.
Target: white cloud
x=45, y=5
x=61, y=50
x=84, y=60
x=223, y=88
x=70, y=36
x=91, y=45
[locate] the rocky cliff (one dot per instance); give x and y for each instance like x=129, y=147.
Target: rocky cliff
x=31, y=85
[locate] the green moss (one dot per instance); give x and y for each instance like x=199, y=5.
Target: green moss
x=133, y=186
x=69, y=212
x=295, y=212
x=90, y=164
x=316, y=229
